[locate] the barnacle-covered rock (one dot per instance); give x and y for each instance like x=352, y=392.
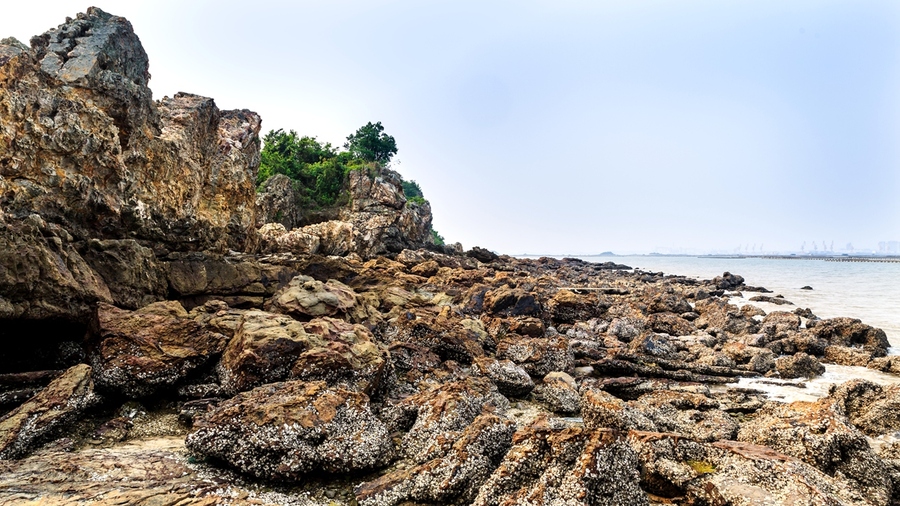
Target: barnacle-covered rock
x=820, y=434
x=61, y=402
x=558, y=393
x=269, y=347
x=575, y=466
x=511, y=380
x=283, y=431
x=538, y=356
x=139, y=353
x=441, y=413
x=453, y=477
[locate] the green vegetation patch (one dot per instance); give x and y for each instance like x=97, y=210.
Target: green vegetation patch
x=319, y=171
x=437, y=238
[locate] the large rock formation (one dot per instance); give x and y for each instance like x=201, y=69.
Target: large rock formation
x=85, y=153
x=83, y=144
x=378, y=219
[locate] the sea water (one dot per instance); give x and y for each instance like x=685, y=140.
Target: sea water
x=869, y=291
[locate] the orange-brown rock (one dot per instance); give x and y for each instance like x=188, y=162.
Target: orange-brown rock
x=263, y=349
x=61, y=402
x=85, y=146
x=139, y=353
x=305, y=296
x=268, y=347
x=349, y=356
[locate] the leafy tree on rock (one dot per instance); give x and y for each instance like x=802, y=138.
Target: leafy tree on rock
x=288, y=154
x=371, y=144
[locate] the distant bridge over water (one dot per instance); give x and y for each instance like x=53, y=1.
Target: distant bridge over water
x=829, y=258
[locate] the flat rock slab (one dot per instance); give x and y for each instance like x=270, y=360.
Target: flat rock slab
x=152, y=471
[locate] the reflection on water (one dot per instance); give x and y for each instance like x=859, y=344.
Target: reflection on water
x=810, y=390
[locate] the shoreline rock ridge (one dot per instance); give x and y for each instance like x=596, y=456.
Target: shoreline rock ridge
x=173, y=336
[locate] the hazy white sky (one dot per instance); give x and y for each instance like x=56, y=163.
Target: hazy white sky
x=570, y=126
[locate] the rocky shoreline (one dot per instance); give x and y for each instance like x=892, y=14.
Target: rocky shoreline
x=168, y=340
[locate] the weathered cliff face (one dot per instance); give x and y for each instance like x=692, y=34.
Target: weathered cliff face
x=377, y=220
x=83, y=144
x=98, y=181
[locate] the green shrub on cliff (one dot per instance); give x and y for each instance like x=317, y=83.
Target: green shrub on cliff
x=319, y=171
x=412, y=189
x=370, y=143
x=288, y=154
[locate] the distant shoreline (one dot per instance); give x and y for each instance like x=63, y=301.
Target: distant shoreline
x=826, y=258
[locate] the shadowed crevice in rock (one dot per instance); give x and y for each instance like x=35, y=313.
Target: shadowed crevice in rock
x=36, y=345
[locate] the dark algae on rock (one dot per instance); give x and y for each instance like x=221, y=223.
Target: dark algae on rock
x=176, y=334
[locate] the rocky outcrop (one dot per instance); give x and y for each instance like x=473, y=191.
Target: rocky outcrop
x=336, y=355
x=377, y=220
x=276, y=203
x=283, y=431
x=42, y=275
x=83, y=144
x=275, y=238
x=61, y=402
x=87, y=155
x=142, y=352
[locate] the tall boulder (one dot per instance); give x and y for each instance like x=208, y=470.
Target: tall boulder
x=87, y=154
x=83, y=144
x=377, y=220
